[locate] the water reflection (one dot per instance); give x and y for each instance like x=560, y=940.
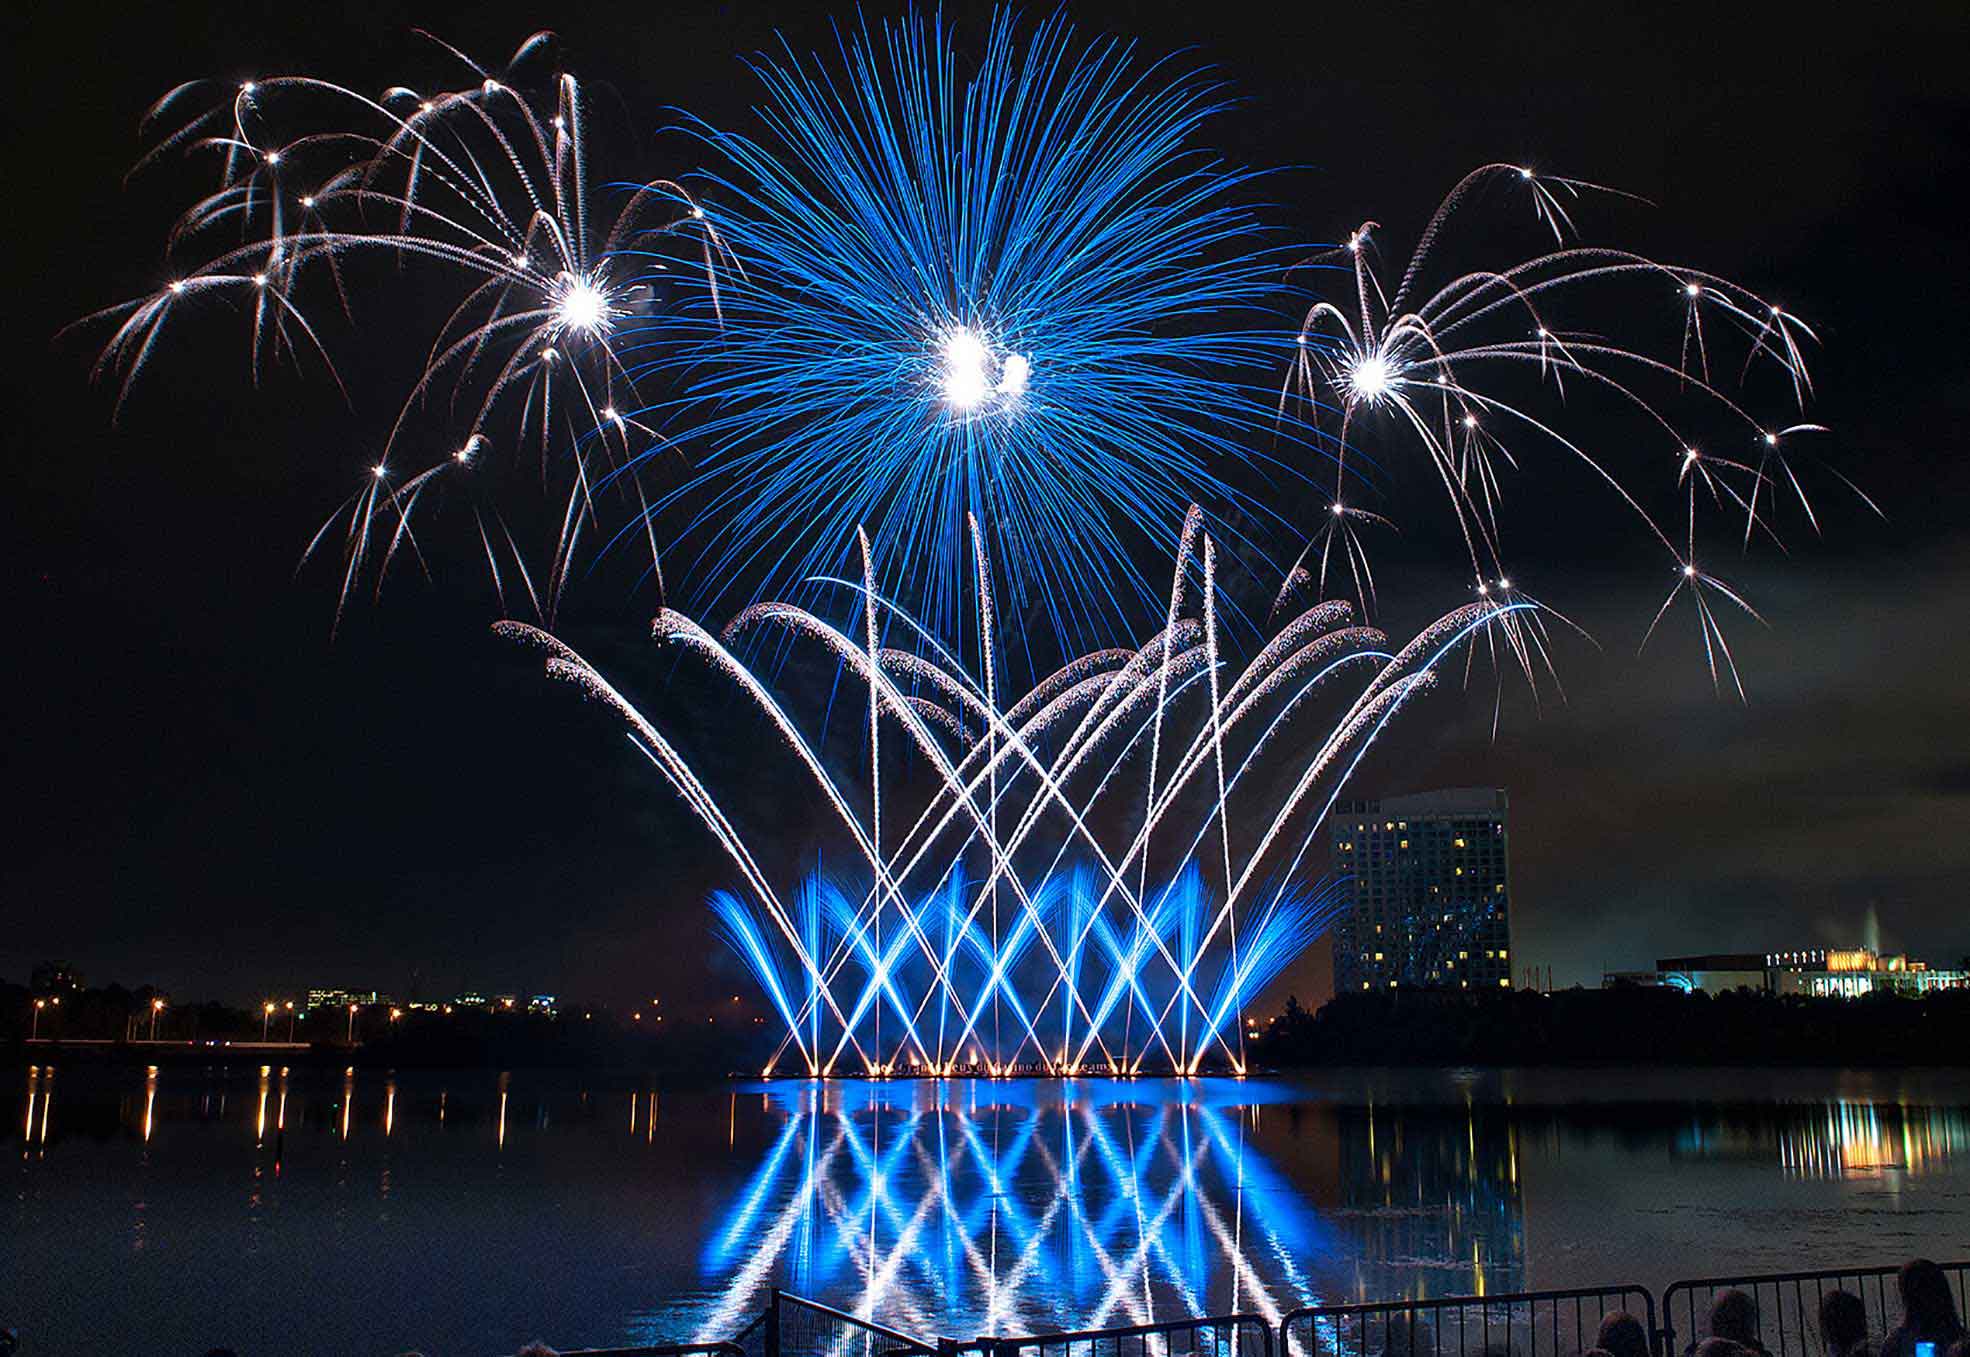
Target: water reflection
x=957, y=1208
x=1841, y=1139
x=1432, y=1193
x=41, y=1086
x=990, y=1207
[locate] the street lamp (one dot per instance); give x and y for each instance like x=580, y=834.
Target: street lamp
x=290, y=1020
x=352, y=1024
x=156, y=1007
x=266, y=1017
x=39, y=1004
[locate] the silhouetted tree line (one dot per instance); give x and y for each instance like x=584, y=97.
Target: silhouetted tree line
x=577, y=1036
x=1624, y=1025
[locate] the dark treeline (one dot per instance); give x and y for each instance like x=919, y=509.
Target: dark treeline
x=1625, y=1025
x=112, y=1023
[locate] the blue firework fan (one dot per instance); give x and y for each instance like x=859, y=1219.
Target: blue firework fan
x=1018, y=291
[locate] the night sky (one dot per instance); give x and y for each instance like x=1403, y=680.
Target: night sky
x=212, y=794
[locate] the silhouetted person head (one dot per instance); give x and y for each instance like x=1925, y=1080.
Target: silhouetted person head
x=1927, y=1306
x=1734, y=1315
x=1623, y=1335
x=1720, y=1347
x=1843, y=1324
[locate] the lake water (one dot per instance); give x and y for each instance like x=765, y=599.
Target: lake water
x=465, y=1213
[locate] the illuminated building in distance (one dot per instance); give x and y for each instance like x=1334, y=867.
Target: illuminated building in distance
x=342, y=998
x=1429, y=894
x=1818, y=972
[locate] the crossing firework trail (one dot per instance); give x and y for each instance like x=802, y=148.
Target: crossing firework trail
x=1090, y=968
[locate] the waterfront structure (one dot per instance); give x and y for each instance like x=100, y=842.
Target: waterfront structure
x=1428, y=891
x=1817, y=972
x=342, y=998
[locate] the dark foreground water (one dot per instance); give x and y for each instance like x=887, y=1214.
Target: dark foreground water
x=462, y=1214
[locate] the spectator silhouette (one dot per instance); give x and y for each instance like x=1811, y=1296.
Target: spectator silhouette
x=1405, y=1334
x=1928, y=1312
x=1843, y=1324
x=1734, y=1318
x=537, y=1349
x=1719, y=1347
x=1622, y=1335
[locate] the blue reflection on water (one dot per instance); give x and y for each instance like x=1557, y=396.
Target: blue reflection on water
x=992, y=1206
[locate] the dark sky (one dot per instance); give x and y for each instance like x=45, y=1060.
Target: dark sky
x=211, y=794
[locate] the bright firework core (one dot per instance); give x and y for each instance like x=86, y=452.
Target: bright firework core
x=581, y=304
x=966, y=372
x=1370, y=378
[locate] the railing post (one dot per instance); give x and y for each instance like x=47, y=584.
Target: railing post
x=773, y=1323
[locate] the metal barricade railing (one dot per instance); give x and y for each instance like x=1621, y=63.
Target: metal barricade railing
x=1788, y=1305
x=720, y=1349
x=796, y=1327
x=1522, y=1324
x=1204, y=1336
x=751, y=1340
x=1518, y=1324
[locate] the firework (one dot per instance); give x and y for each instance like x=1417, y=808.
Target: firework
x=1014, y=289
x=488, y=184
x=1463, y=365
x=1002, y=928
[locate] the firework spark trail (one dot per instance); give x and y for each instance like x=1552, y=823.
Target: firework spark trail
x=490, y=185
x=1152, y=935
x=937, y=296
x=673, y=625
x=860, y=661
x=1416, y=365
x=564, y=663
x=968, y=285
x=800, y=620
x=1114, y=953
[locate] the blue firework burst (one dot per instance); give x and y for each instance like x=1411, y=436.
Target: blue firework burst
x=1017, y=290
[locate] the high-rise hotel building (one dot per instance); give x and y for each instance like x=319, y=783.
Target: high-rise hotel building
x=1429, y=892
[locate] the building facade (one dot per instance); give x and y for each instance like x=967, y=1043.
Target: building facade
x=1819, y=972
x=325, y=997
x=1429, y=892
